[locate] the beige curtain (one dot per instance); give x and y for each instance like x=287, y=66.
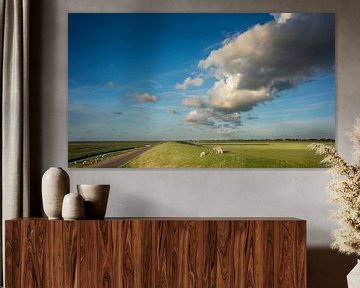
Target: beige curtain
x=14, y=27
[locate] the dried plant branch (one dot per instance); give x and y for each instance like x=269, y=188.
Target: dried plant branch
x=345, y=192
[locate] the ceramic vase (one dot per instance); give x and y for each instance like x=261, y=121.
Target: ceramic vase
x=353, y=278
x=96, y=198
x=55, y=185
x=73, y=207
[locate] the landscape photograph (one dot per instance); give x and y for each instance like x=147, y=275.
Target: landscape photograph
x=200, y=90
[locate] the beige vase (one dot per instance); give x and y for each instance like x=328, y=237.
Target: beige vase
x=73, y=207
x=353, y=278
x=55, y=185
x=96, y=198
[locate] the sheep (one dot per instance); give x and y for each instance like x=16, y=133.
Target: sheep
x=218, y=150
x=202, y=154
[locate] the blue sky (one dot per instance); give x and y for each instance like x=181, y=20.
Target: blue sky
x=138, y=76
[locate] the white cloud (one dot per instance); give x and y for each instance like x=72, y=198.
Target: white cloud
x=225, y=95
x=230, y=120
x=253, y=66
x=209, y=116
x=199, y=117
x=146, y=97
x=197, y=81
x=196, y=102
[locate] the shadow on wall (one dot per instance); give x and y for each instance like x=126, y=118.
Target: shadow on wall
x=37, y=10
x=328, y=268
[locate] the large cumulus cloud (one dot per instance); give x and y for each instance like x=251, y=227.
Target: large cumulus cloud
x=252, y=67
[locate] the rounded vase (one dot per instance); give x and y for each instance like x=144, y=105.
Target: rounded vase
x=73, y=207
x=96, y=198
x=55, y=185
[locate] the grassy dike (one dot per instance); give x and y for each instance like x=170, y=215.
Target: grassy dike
x=271, y=154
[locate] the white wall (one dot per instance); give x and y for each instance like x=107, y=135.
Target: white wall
x=191, y=192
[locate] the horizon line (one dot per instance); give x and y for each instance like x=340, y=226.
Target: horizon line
x=192, y=140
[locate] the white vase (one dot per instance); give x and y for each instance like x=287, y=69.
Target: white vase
x=55, y=185
x=73, y=207
x=353, y=278
x=96, y=198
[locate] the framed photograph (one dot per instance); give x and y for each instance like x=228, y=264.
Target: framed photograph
x=200, y=90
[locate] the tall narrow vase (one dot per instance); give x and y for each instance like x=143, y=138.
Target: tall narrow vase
x=55, y=185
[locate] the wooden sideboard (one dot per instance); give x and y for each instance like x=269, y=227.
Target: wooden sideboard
x=156, y=252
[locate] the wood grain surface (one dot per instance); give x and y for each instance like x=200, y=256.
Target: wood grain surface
x=161, y=252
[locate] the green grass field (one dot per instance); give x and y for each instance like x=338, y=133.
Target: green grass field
x=81, y=150
x=242, y=154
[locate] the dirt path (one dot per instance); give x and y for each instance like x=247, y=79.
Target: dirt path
x=119, y=160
